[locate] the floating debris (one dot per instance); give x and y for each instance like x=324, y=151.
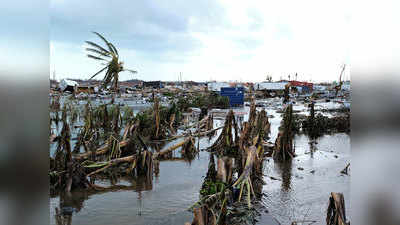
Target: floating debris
x=346, y=169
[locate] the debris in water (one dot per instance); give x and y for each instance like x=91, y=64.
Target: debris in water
x=346, y=170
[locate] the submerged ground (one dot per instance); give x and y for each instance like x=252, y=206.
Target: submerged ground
x=294, y=191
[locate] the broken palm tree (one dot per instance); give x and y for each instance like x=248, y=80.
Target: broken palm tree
x=87, y=131
x=126, y=154
x=336, y=212
x=66, y=173
x=159, y=122
x=156, y=108
x=225, y=143
x=284, y=149
x=70, y=171
x=109, y=57
x=211, y=208
x=220, y=190
x=244, y=178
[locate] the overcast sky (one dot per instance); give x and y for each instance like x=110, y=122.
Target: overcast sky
x=204, y=39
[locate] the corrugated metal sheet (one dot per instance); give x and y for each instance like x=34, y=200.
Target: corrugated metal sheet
x=235, y=95
x=270, y=86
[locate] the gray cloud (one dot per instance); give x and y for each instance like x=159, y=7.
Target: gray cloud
x=155, y=26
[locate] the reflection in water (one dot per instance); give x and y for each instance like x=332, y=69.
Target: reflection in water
x=63, y=219
x=285, y=169
x=142, y=183
x=69, y=203
x=307, y=180
x=313, y=147
x=73, y=202
x=156, y=168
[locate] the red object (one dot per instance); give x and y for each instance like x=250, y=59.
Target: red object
x=301, y=84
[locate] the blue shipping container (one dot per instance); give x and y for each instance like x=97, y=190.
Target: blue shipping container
x=235, y=95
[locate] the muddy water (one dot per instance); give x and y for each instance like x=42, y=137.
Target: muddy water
x=299, y=190
x=161, y=200
x=292, y=191
x=164, y=202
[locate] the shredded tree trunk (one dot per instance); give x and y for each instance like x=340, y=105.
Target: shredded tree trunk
x=284, y=150
x=225, y=169
x=225, y=142
x=336, y=212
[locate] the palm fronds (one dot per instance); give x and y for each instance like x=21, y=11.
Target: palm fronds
x=109, y=54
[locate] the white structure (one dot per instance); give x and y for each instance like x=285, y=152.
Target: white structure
x=270, y=86
x=319, y=88
x=216, y=86
x=64, y=83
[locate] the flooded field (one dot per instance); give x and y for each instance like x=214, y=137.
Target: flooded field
x=297, y=190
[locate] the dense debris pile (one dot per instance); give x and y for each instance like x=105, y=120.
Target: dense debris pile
x=111, y=141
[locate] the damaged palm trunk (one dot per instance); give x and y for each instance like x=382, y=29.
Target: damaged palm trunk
x=284, y=149
x=225, y=169
x=220, y=190
x=66, y=173
x=336, y=212
x=157, y=118
x=226, y=144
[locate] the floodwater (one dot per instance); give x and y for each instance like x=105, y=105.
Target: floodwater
x=299, y=190
x=293, y=191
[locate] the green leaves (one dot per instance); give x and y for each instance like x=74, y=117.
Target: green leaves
x=110, y=55
x=210, y=188
x=98, y=47
x=110, y=46
x=105, y=54
x=98, y=72
x=94, y=57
